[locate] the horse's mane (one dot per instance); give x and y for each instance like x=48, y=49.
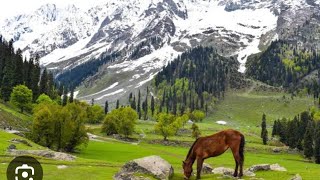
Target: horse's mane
x=191, y=148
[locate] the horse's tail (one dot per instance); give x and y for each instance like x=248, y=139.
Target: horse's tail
x=241, y=149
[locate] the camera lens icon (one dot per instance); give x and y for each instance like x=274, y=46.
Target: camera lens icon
x=24, y=168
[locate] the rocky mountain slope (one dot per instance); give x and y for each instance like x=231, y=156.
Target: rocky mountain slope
x=146, y=35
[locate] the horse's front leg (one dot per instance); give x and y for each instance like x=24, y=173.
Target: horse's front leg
x=199, y=167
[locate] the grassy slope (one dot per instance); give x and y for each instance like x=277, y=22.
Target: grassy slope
x=101, y=160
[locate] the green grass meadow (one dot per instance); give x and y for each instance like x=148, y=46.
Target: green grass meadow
x=100, y=160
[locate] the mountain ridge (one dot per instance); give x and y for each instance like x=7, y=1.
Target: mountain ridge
x=149, y=35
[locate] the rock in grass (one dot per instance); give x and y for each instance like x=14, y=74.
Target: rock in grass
x=11, y=147
x=43, y=153
x=62, y=166
x=206, y=169
x=223, y=171
x=260, y=167
x=277, y=167
x=22, y=141
x=153, y=166
x=249, y=173
x=296, y=177
x=276, y=150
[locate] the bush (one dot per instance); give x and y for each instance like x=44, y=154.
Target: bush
x=168, y=125
x=43, y=98
x=59, y=128
x=195, y=131
x=197, y=116
x=95, y=114
x=120, y=121
x=21, y=97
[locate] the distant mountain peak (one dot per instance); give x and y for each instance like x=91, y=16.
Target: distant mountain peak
x=146, y=35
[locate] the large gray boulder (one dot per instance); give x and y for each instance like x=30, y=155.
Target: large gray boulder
x=153, y=166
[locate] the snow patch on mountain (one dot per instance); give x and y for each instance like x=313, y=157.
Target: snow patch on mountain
x=146, y=34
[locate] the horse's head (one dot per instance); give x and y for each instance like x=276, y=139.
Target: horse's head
x=187, y=169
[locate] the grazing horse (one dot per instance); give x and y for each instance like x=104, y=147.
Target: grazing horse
x=215, y=145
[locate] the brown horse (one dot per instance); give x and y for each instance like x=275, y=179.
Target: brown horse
x=215, y=145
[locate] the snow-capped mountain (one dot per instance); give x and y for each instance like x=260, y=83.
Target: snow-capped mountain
x=146, y=35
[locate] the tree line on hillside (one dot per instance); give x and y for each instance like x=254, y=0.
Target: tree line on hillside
x=75, y=76
x=285, y=64
x=14, y=70
x=301, y=132
x=193, y=80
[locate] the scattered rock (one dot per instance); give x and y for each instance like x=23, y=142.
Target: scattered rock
x=129, y=176
x=259, y=167
x=12, y=147
x=296, y=177
x=43, y=153
x=190, y=121
x=93, y=137
x=249, y=173
x=277, y=167
x=22, y=141
x=221, y=122
x=152, y=166
x=276, y=150
x=206, y=169
x=116, y=136
x=223, y=171
x=62, y=166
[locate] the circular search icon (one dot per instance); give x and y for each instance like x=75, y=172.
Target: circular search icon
x=24, y=168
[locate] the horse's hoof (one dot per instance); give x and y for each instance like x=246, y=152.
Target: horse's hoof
x=235, y=175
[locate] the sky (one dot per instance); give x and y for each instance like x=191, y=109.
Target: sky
x=10, y=8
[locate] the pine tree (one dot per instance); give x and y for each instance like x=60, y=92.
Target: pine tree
x=106, y=107
x=65, y=96
x=117, y=104
x=174, y=103
x=317, y=143
x=51, y=86
x=28, y=74
x=18, y=69
x=145, y=109
x=7, y=81
x=71, y=96
x=308, y=141
x=138, y=105
x=35, y=76
x=44, y=82
x=133, y=103
x=92, y=101
x=275, y=128
x=264, y=131
x=152, y=105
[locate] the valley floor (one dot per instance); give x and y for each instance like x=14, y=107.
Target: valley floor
x=102, y=158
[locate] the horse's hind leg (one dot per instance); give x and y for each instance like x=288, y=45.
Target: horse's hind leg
x=199, y=167
x=237, y=159
x=235, y=174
